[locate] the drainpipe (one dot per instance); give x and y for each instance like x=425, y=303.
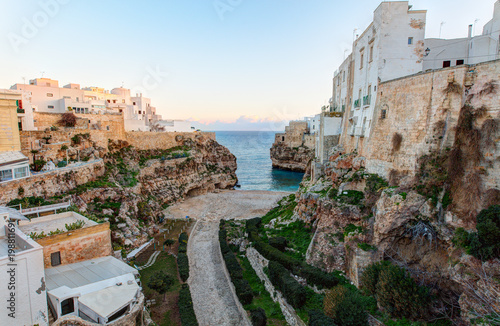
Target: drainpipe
x=469, y=39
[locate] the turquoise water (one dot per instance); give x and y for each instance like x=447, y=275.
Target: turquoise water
x=255, y=171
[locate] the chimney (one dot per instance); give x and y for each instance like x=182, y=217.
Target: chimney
x=470, y=31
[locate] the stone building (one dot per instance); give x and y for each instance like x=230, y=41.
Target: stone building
x=9, y=123
x=64, y=245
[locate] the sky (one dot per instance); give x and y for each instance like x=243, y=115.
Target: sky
x=223, y=64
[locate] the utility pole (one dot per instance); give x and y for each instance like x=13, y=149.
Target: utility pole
x=441, y=28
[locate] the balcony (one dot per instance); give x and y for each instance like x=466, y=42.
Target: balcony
x=367, y=100
x=357, y=103
x=20, y=110
x=343, y=108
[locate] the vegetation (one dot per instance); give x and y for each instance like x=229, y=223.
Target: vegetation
x=160, y=282
x=258, y=317
x=396, y=291
x=345, y=306
x=243, y=289
x=38, y=165
x=293, y=292
x=188, y=317
x=68, y=119
x=182, y=258
x=318, y=318
x=485, y=243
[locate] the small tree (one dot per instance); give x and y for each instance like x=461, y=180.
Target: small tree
x=68, y=119
x=345, y=307
x=168, y=242
x=160, y=282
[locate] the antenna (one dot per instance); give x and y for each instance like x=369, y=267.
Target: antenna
x=475, y=23
x=43, y=72
x=24, y=80
x=440, y=28
x=123, y=84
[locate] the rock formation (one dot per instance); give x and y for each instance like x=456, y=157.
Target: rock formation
x=292, y=159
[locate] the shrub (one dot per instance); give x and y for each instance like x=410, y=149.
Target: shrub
x=293, y=292
x=485, y=243
x=38, y=165
x=351, y=197
x=183, y=266
x=64, y=147
x=68, y=119
x=370, y=276
x=241, y=286
x=258, y=317
x=188, y=317
x=317, y=318
x=20, y=191
x=374, y=183
x=62, y=164
x=168, y=242
x=278, y=243
x=160, y=282
x=182, y=258
x=345, y=307
x=399, y=295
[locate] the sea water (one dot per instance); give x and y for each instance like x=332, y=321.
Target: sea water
x=255, y=171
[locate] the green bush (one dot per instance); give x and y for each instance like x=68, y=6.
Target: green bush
x=160, y=282
x=242, y=288
x=293, y=292
x=345, y=306
x=374, y=183
x=278, y=243
x=485, y=243
x=182, y=258
x=258, y=317
x=400, y=295
x=318, y=318
x=370, y=277
x=351, y=197
x=38, y=165
x=188, y=317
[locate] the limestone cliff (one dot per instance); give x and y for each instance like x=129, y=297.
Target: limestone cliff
x=290, y=158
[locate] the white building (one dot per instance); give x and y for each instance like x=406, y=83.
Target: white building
x=444, y=53
x=45, y=95
x=101, y=290
x=13, y=165
x=327, y=136
x=391, y=47
x=175, y=126
x=23, y=279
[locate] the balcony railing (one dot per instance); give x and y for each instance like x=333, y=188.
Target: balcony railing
x=343, y=108
x=367, y=100
x=20, y=110
x=357, y=103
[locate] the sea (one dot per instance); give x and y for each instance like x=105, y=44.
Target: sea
x=255, y=171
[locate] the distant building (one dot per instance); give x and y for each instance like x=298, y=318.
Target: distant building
x=9, y=123
x=29, y=299
x=443, y=53
x=175, y=126
x=45, y=95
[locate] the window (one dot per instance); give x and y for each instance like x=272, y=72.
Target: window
x=140, y=112
x=21, y=172
x=50, y=106
x=282, y=138
x=67, y=306
x=446, y=64
x=460, y=62
x=361, y=61
x=5, y=175
x=109, y=101
x=383, y=114
x=410, y=40
x=371, y=53
x=50, y=95
x=343, y=76
x=107, y=128
x=114, y=101
x=133, y=103
x=55, y=258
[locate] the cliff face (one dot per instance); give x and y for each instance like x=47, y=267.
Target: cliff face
x=144, y=182
x=291, y=158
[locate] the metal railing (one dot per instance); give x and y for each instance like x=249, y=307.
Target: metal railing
x=357, y=103
x=367, y=100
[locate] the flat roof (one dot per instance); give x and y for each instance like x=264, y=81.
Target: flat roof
x=53, y=222
x=12, y=157
x=86, y=272
x=13, y=213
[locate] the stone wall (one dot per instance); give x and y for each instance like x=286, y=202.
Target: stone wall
x=78, y=245
x=51, y=183
x=258, y=263
x=424, y=111
x=163, y=140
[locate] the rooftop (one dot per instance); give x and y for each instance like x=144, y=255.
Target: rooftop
x=53, y=222
x=86, y=272
x=12, y=157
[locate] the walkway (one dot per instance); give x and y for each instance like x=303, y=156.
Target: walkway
x=150, y=262
x=214, y=300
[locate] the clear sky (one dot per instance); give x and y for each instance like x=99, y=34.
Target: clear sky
x=245, y=62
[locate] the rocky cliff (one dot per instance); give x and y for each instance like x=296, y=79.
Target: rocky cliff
x=134, y=186
x=290, y=158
